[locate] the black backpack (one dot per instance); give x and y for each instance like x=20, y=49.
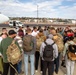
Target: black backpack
x=72, y=52
x=48, y=52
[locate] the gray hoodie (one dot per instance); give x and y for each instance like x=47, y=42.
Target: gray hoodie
x=55, y=52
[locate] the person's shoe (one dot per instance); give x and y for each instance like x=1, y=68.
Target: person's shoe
x=36, y=70
x=0, y=73
x=56, y=72
x=64, y=66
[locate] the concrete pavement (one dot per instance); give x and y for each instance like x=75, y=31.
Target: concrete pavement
x=62, y=70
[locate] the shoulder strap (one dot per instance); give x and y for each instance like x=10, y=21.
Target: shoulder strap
x=14, y=68
x=45, y=42
x=13, y=41
x=53, y=43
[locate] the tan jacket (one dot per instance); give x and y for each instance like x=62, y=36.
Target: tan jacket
x=40, y=38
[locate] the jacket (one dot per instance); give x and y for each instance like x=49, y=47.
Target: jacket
x=66, y=47
x=40, y=38
x=4, y=46
x=55, y=52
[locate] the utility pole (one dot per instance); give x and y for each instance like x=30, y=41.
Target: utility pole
x=37, y=14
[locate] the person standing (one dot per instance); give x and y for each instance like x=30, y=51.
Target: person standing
x=4, y=30
x=20, y=32
x=3, y=36
x=40, y=38
x=29, y=47
x=18, y=38
x=69, y=63
x=48, y=61
x=58, y=39
x=3, y=49
x=34, y=32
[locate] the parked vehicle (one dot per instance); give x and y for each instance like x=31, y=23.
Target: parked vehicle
x=15, y=24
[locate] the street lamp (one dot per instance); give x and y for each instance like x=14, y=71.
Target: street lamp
x=37, y=14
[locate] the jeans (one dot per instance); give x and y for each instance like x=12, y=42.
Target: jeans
x=19, y=66
x=48, y=65
x=69, y=66
x=32, y=60
x=56, y=62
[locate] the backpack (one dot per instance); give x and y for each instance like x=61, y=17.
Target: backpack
x=74, y=39
x=72, y=52
x=59, y=41
x=39, y=42
x=13, y=53
x=48, y=52
x=27, y=43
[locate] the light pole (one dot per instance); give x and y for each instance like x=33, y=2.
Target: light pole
x=37, y=14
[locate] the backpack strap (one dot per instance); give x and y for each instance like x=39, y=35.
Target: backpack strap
x=13, y=41
x=14, y=68
x=53, y=43
x=45, y=42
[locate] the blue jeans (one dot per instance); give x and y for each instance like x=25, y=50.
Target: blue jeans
x=56, y=62
x=19, y=65
x=32, y=60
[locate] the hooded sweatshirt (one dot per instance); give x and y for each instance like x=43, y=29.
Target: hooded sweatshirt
x=55, y=51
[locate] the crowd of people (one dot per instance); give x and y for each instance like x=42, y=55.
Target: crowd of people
x=48, y=44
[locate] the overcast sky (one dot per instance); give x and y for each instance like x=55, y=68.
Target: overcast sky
x=46, y=8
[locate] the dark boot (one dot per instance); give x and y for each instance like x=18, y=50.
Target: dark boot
x=0, y=73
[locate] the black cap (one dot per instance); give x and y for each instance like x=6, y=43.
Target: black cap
x=11, y=32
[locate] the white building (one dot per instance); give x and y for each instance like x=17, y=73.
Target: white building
x=74, y=21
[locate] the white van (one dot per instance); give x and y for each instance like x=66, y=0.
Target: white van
x=15, y=24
